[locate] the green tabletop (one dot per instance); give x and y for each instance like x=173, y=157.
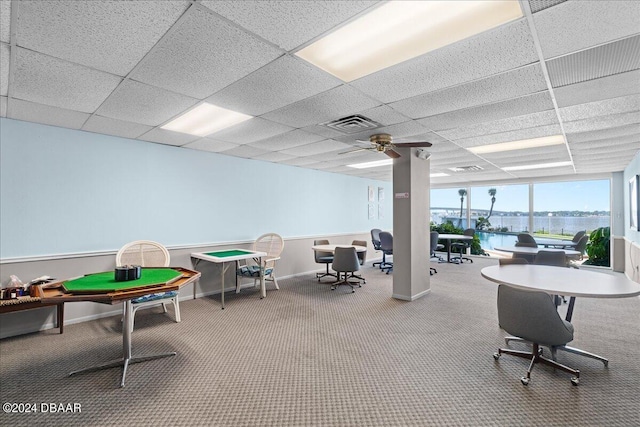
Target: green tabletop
x=229, y=253
x=105, y=282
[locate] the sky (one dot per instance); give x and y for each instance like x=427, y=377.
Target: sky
x=553, y=196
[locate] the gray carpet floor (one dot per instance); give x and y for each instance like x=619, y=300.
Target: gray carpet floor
x=309, y=356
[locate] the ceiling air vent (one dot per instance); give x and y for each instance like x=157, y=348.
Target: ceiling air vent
x=466, y=169
x=352, y=124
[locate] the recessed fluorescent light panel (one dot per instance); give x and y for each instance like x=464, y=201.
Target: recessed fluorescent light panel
x=438, y=175
x=518, y=145
x=401, y=30
x=205, y=119
x=537, y=166
x=375, y=164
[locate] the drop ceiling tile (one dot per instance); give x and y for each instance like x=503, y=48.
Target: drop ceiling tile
x=547, y=172
x=45, y=114
x=325, y=132
x=609, y=143
x=329, y=105
x=516, y=135
x=46, y=80
x=291, y=139
x=141, y=103
x=251, y=130
x=385, y=115
x=599, y=89
x=573, y=26
x=543, y=118
x=601, y=61
x=282, y=23
x=622, y=104
x=603, y=122
x=5, y=21
x=596, y=151
x=244, y=151
x=109, y=36
x=317, y=148
x=490, y=112
x=601, y=134
x=277, y=84
x=3, y=106
x=273, y=157
x=538, y=5
x=5, y=54
x=512, y=84
x=115, y=127
x=186, y=62
x=555, y=153
x=492, y=52
x=299, y=161
x=207, y=144
x=399, y=132
x=168, y=137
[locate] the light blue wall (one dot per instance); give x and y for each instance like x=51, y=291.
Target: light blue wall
x=630, y=171
x=67, y=191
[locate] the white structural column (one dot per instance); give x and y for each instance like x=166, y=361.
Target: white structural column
x=411, y=215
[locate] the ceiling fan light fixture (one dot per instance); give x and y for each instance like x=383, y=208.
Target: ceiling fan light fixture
x=400, y=30
x=205, y=119
x=537, y=166
x=518, y=145
x=374, y=164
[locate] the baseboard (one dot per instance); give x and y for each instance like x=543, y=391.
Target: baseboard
x=412, y=298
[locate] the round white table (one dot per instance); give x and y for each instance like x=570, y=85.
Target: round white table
x=526, y=250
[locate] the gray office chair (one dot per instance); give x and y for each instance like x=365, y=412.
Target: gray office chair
x=362, y=258
x=553, y=258
x=345, y=261
x=325, y=258
x=433, y=247
x=375, y=241
x=462, y=246
x=532, y=316
x=526, y=240
x=386, y=246
x=578, y=236
x=509, y=261
x=581, y=246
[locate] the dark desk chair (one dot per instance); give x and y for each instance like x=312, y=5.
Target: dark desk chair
x=532, y=316
x=433, y=247
x=375, y=241
x=345, y=261
x=581, y=246
x=362, y=258
x=325, y=258
x=462, y=246
x=509, y=261
x=526, y=240
x=386, y=246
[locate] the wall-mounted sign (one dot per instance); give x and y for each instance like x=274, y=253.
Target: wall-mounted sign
x=402, y=195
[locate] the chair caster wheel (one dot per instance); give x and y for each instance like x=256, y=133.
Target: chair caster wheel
x=496, y=356
x=575, y=381
x=525, y=380
x=606, y=363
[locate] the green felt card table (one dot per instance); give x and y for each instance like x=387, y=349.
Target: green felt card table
x=102, y=288
x=226, y=257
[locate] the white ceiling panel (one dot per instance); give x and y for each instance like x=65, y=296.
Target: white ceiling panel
x=5, y=20
x=384, y=115
x=629, y=149
x=299, y=161
x=115, y=127
x=332, y=104
x=598, y=89
x=3, y=106
x=399, y=132
x=291, y=139
x=273, y=157
x=535, y=173
x=185, y=61
x=543, y=118
x=490, y=112
x=206, y=144
x=501, y=49
x=512, y=84
x=281, y=22
x=244, y=151
x=45, y=114
x=107, y=35
x=601, y=134
x=5, y=54
x=279, y=83
x=141, y=103
x=251, y=130
x=622, y=104
x=605, y=60
x=168, y=137
x=516, y=135
x=46, y=80
x=538, y=5
x=577, y=25
x=632, y=140
x=317, y=148
x=324, y=131
x=603, y=122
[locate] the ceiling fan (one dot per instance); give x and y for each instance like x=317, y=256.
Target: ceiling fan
x=383, y=143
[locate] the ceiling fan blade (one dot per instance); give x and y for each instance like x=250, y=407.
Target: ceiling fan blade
x=392, y=154
x=413, y=144
x=354, y=151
